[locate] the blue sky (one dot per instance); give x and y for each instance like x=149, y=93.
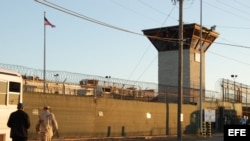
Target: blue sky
x=78, y=45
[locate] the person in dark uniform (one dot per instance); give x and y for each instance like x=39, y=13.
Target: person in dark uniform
x=19, y=123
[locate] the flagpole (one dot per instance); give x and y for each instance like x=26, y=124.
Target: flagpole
x=44, y=59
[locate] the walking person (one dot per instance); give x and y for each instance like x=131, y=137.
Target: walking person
x=19, y=123
x=243, y=120
x=47, y=124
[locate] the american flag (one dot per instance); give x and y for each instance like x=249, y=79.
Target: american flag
x=46, y=22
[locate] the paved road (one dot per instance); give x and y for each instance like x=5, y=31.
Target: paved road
x=189, y=138
x=216, y=137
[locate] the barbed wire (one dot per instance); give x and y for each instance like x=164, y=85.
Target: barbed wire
x=64, y=77
x=75, y=78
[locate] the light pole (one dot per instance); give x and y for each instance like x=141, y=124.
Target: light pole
x=201, y=69
x=234, y=77
x=56, y=80
x=180, y=71
x=56, y=76
x=108, y=77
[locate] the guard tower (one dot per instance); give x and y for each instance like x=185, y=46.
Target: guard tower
x=165, y=40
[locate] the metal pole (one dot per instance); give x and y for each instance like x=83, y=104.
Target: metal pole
x=201, y=67
x=234, y=91
x=180, y=91
x=234, y=77
x=246, y=101
x=44, y=59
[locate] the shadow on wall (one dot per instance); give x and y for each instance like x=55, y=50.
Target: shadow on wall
x=222, y=116
x=194, y=123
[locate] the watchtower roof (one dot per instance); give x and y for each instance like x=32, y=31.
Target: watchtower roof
x=167, y=38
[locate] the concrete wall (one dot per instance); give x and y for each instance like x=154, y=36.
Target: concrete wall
x=88, y=117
